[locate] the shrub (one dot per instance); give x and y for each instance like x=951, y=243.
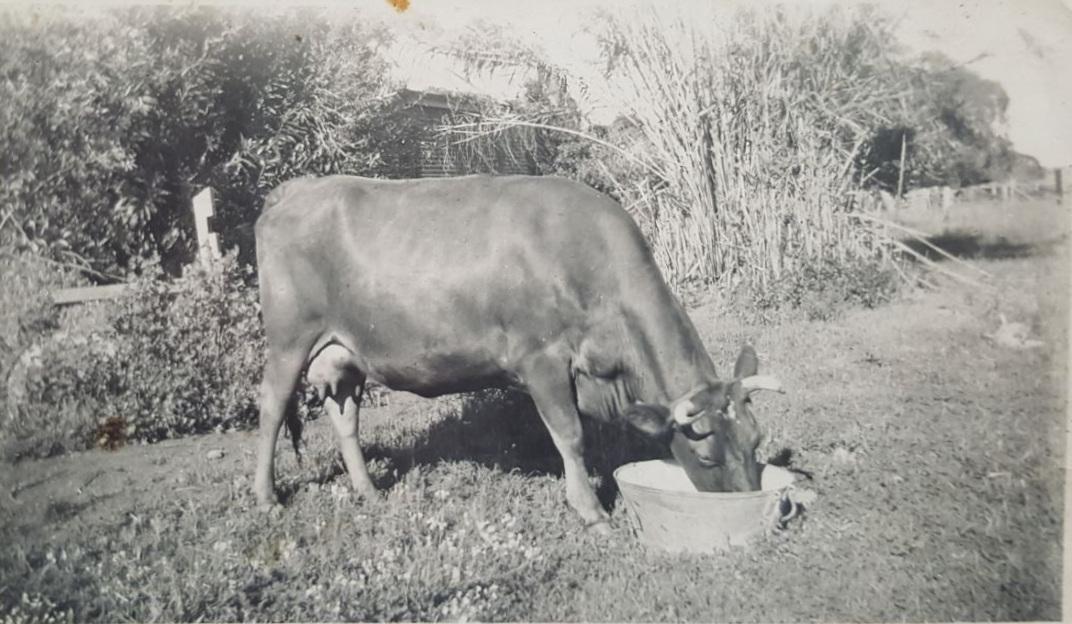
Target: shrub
x=26, y=310
x=112, y=122
x=176, y=357
x=823, y=289
x=67, y=384
x=69, y=97
x=192, y=353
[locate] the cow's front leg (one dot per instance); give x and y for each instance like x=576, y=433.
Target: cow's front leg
x=346, y=422
x=548, y=382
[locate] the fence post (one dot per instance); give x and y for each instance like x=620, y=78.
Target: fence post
x=900, y=168
x=1057, y=184
x=208, y=245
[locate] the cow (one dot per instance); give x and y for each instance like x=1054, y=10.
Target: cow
x=440, y=286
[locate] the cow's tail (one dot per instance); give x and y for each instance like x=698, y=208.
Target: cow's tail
x=294, y=427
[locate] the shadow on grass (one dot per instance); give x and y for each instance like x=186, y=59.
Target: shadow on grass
x=61, y=511
x=503, y=430
x=22, y=487
x=975, y=246
x=784, y=459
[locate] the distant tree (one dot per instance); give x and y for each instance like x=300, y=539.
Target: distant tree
x=1025, y=167
x=952, y=123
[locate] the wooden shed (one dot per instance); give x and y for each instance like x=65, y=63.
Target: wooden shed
x=427, y=152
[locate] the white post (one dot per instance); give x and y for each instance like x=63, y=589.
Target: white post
x=208, y=244
x=947, y=197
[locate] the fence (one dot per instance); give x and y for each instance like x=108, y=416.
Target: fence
x=208, y=253
x=1005, y=190
x=943, y=197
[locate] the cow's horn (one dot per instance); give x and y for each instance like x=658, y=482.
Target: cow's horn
x=681, y=412
x=761, y=382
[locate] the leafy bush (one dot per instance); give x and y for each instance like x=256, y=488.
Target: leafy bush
x=176, y=357
x=823, y=289
x=112, y=122
x=67, y=107
x=68, y=382
x=26, y=310
x=193, y=353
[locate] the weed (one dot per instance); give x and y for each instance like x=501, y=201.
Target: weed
x=823, y=289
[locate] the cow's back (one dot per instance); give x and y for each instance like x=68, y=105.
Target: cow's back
x=465, y=275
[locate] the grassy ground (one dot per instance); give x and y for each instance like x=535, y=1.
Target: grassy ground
x=937, y=457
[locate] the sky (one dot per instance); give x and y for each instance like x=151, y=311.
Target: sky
x=1025, y=45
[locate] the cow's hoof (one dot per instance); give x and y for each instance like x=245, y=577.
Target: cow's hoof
x=599, y=527
x=371, y=496
x=265, y=497
x=270, y=508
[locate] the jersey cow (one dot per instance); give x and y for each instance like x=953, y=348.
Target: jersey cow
x=453, y=285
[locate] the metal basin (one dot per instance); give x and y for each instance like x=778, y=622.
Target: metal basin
x=667, y=512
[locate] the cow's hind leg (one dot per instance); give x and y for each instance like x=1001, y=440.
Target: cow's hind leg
x=281, y=374
x=346, y=419
x=548, y=382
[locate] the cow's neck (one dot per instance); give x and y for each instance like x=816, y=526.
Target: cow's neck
x=671, y=359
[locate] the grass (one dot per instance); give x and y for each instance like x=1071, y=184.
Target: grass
x=937, y=458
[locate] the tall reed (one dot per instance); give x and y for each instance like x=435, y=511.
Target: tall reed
x=749, y=123
x=752, y=122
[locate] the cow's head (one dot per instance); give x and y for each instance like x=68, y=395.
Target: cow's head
x=711, y=430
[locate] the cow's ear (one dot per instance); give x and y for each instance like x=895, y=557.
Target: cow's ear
x=650, y=418
x=747, y=362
